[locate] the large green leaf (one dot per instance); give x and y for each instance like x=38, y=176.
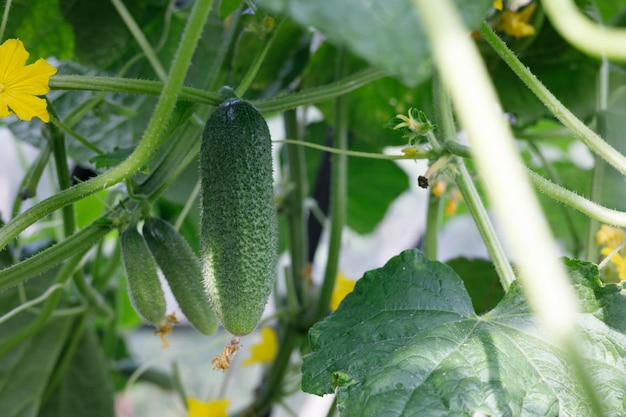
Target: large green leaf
x=25, y=370
x=407, y=342
x=386, y=33
x=85, y=389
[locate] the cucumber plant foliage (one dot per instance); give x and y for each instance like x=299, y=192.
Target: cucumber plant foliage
x=407, y=342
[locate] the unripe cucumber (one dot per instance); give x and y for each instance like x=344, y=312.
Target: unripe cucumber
x=182, y=271
x=144, y=287
x=239, y=227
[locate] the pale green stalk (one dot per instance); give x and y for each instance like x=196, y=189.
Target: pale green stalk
x=498, y=162
x=516, y=207
x=5, y=18
x=583, y=33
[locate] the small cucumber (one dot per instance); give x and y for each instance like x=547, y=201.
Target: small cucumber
x=182, y=271
x=144, y=287
x=239, y=227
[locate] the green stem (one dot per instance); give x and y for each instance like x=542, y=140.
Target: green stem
x=296, y=217
x=599, y=167
x=152, y=137
x=256, y=64
x=128, y=86
x=561, y=194
x=421, y=154
x=92, y=297
x=272, y=105
x=338, y=201
x=562, y=113
x=69, y=131
x=483, y=223
x=433, y=215
x=5, y=18
x=319, y=94
x=552, y=173
x=272, y=387
x=585, y=206
x=57, y=139
x=140, y=38
x=78, y=243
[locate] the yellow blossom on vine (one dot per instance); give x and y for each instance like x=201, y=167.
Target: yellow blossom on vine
x=497, y=4
x=610, y=236
x=343, y=287
x=266, y=349
x=439, y=188
x=20, y=84
x=516, y=23
x=215, y=408
x=609, y=239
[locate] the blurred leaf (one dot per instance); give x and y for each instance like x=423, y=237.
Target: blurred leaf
x=42, y=28
x=406, y=342
x=25, y=370
x=85, y=388
x=90, y=208
x=228, y=6
x=399, y=46
x=480, y=280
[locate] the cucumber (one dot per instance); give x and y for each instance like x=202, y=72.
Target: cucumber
x=144, y=287
x=239, y=230
x=182, y=271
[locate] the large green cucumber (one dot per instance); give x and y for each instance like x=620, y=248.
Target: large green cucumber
x=144, y=287
x=239, y=227
x=182, y=271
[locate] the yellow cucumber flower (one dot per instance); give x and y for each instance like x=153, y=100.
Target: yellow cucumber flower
x=266, y=349
x=215, y=408
x=516, y=23
x=343, y=287
x=20, y=84
x=497, y=4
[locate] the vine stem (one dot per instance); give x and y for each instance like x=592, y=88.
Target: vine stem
x=338, y=197
x=562, y=113
x=583, y=33
x=445, y=120
x=421, y=154
x=525, y=228
x=152, y=137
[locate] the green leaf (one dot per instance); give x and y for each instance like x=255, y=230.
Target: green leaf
x=40, y=25
x=228, y=6
x=25, y=370
x=481, y=282
x=85, y=389
x=399, y=44
x=406, y=342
